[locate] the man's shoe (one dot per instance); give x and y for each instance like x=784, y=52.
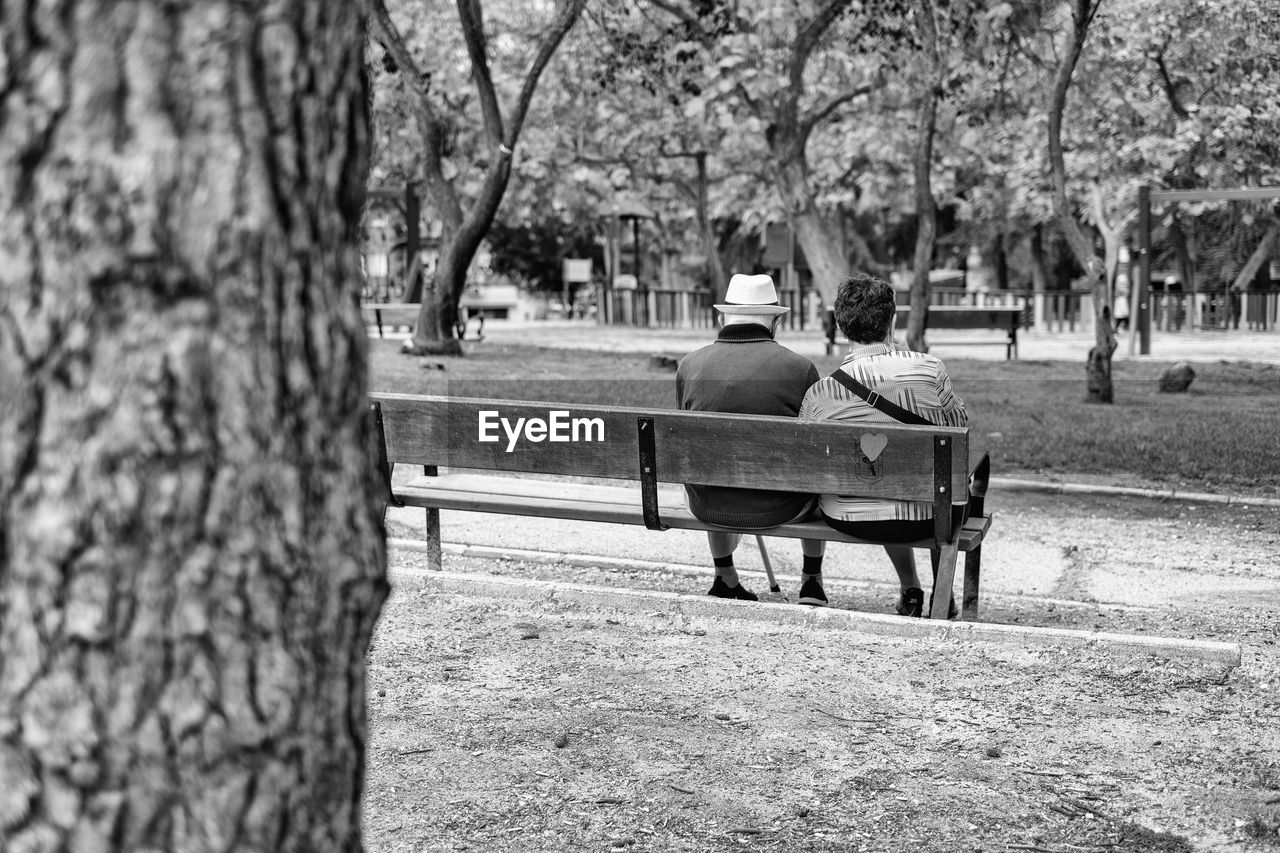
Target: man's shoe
x=720, y=589
x=952, y=610
x=911, y=602
x=811, y=592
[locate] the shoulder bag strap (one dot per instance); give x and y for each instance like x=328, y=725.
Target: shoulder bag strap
x=873, y=398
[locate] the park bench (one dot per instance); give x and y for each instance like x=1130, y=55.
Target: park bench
x=410, y=309
x=997, y=318
x=508, y=472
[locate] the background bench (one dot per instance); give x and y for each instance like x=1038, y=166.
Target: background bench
x=996, y=318
x=643, y=448
x=408, y=309
x=999, y=319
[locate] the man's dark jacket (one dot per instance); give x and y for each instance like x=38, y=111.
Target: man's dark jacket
x=744, y=372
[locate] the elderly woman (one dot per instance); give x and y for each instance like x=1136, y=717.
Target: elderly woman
x=865, y=312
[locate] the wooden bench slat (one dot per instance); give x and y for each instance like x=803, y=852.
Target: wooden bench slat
x=692, y=447
x=608, y=504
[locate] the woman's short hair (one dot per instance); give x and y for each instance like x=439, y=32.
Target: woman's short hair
x=865, y=306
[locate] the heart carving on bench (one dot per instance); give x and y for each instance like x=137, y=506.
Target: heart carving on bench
x=873, y=445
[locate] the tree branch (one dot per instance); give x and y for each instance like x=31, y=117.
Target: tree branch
x=566, y=17
x=685, y=17
x=1258, y=258
x=384, y=31
x=786, y=129
x=807, y=39
x=1170, y=91
x=818, y=115
x=471, y=16
x=431, y=124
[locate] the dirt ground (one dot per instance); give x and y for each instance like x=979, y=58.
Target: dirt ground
x=502, y=725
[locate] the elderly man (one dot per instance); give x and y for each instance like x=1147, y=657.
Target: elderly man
x=746, y=371
x=865, y=311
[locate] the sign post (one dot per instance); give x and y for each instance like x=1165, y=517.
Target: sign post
x=1142, y=291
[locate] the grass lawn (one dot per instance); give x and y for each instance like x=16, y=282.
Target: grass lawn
x=1222, y=436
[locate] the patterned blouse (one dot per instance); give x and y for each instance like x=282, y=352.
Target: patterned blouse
x=916, y=381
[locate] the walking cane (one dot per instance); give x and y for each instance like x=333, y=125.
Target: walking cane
x=768, y=567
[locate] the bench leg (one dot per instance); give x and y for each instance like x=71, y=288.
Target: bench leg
x=944, y=580
x=433, y=539
x=972, y=574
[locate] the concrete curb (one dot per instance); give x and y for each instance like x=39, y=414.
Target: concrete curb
x=699, y=606
x=563, y=558
x=1129, y=492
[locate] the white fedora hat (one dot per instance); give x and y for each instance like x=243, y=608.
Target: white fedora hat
x=751, y=294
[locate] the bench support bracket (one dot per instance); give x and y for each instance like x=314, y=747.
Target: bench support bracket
x=649, y=473
x=384, y=467
x=943, y=529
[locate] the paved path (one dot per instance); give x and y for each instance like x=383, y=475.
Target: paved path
x=1191, y=346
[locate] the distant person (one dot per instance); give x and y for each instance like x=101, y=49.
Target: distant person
x=865, y=311
x=1122, y=309
x=746, y=372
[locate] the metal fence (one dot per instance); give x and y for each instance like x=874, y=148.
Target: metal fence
x=1044, y=310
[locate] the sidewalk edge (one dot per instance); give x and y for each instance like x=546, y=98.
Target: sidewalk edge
x=641, y=601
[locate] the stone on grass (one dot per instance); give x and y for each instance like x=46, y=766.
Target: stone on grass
x=1177, y=379
x=663, y=362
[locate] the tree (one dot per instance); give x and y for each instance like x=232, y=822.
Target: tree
x=1098, y=366
x=765, y=69
x=922, y=170
x=191, y=556
x=465, y=229
x=633, y=73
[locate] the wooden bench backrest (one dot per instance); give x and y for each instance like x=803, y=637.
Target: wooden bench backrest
x=878, y=461
x=967, y=317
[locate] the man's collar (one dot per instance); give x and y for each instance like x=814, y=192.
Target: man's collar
x=867, y=350
x=744, y=333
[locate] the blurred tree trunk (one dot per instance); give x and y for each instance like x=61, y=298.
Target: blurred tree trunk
x=1039, y=263
x=191, y=559
x=716, y=272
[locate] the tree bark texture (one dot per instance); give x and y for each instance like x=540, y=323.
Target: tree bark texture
x=922, y=166
x=1098, y=364
x=191, y=555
